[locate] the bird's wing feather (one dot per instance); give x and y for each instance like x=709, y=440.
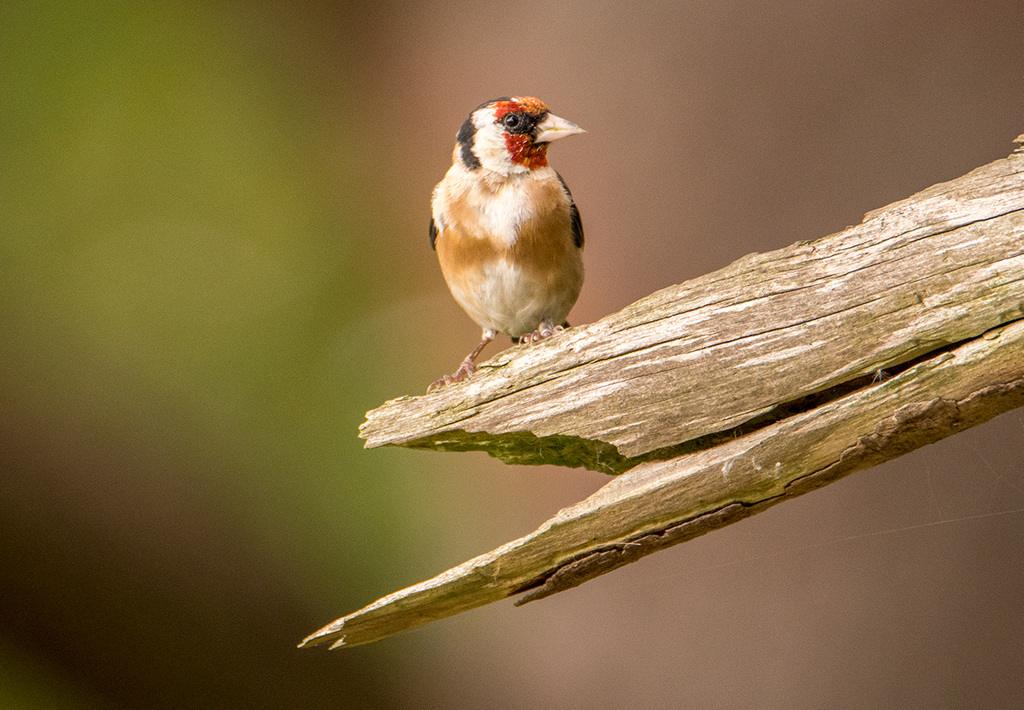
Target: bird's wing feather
x=574, y=215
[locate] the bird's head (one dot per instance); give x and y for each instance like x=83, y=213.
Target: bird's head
x=510, y=135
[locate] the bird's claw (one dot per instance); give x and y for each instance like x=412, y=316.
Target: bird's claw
x=544, y=331
x=465, y=370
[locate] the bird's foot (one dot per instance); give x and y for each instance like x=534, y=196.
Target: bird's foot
x=468, y=366
x=466, y=369
x=545, y=330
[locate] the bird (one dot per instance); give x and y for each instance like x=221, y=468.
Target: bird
x=506, y=230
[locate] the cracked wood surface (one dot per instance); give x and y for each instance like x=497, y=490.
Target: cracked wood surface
x=661, y=503
x=736, y=391
x=726, y=349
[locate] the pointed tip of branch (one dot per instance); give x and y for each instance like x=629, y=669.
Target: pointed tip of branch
x=328, y=633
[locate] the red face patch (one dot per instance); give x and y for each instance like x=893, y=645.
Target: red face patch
x=520, y=146
x=523, y=151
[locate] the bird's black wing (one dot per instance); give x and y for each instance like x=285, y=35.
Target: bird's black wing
x=433, y=233
x=577, y=224
x=574, y=216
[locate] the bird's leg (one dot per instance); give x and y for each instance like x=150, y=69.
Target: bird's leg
x=468, y=366
x=545, y=330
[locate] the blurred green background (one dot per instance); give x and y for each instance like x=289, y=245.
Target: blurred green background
x=214, y=260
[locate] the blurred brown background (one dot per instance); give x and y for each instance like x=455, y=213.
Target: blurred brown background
x=214, y=259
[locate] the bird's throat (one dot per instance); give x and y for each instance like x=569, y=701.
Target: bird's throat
x=523, y=151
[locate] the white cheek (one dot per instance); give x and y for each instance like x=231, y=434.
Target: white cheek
x=493, y=154
x=489, y=146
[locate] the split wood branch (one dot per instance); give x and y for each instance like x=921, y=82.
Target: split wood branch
x=722, y=396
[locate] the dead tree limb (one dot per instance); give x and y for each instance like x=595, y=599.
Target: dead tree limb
x=725, y=395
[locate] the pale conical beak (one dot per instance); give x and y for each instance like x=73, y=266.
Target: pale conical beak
x=552, y=128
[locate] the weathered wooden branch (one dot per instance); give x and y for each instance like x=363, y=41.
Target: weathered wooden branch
x=725, y=395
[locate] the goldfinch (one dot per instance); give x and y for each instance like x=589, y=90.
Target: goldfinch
x=507, y=233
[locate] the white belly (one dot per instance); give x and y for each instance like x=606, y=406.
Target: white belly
x=514, y=301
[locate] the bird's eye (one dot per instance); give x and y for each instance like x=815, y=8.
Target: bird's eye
x=512, y=120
